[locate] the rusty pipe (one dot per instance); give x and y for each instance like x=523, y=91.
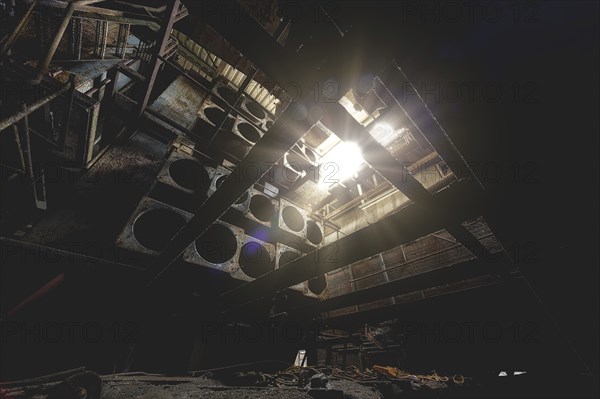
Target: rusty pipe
x=11, y=120
x=38, y=294
x=19, y=148
x=17, y=32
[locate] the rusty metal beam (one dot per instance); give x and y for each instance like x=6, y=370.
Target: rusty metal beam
x=412, y=222
x=348, y=129
x=397, y=86
x=485, y=280
x=338, y=120
x=287, y=129
x=159, y=48
x=287, y=71
x=127, y=71
x=291, y=70
x=442, y=275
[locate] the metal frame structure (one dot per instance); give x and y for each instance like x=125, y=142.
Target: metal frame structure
x=428, y=213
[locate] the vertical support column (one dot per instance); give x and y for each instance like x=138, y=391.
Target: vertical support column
x=88, y=151
x=97, y=38
x=122, y=40
x=328, y=355
x=139, y=51
x=67, y=115
x=386, y=277
x=27, y=149
x=162, y=39
x=101, y=35
x=146, y=54
x=19, y=147
x=352, y=285
x=113, y=75
x=33, y=181
x=311, y=353
x=76, y=36
x=361, y=357
x=42, y=29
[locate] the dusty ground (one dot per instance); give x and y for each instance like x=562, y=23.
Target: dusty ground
x=136, y=390
x=129, y=388
x=353, y=390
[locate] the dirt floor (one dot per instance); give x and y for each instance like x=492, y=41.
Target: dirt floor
x=136, y=390
x=211, y=389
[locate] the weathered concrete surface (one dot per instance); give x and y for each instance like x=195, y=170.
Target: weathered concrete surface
x=180, y=102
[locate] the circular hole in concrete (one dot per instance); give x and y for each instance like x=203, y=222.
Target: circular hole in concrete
x=220, y=181
x=255, y=260
x=268, y=124
x=189, y=174
x=292, y=218
x=262, y=208
x=287, y=257
x=154, y=228
x=214, y=114
x=313, y=232
x=249, y=132
x=217, y=245
x=295, y=161
x=255, y=109
x=227, y=94
x=289, y=175
x=317, y=285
